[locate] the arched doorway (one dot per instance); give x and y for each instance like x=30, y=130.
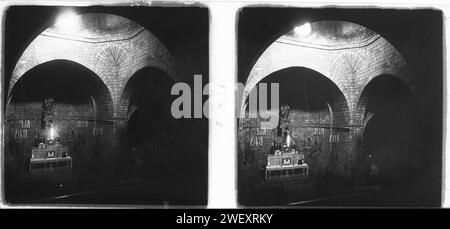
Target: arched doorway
x=146, y=104
x=152, y=136
x=81, y=112
x=392, y=138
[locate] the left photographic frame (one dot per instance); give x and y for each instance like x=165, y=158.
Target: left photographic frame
x=91, y=105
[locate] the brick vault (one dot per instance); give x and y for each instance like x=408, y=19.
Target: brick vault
x=113, y=49
x=349, y=56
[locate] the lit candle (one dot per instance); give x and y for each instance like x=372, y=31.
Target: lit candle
x=288, y=140
x=52, y=133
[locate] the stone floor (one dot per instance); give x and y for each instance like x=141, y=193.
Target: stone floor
x=157, y=188
x=419, y=190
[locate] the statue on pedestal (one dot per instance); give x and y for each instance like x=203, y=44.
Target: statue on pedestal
x=284, y=128
x=48, y=130
x=47, y=112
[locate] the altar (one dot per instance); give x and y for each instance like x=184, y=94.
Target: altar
x=51, y=162
x=288, y=165
x=49, y=158
x=285, y=161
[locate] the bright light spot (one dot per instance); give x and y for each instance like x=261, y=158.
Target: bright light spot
x=52, y=133
x=288, y=140
x=303, y=30
x=68, y=21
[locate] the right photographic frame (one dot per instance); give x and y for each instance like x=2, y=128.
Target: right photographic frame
x=340, y=107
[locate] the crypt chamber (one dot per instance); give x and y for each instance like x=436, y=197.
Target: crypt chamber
x=87, y=116
x=354, y=111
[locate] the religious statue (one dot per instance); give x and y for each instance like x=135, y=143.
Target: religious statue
x=284, y=124
x=47, y=113
x=48, y=129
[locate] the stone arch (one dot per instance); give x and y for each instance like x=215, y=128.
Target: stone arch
x=359, y=112
x=330, y=91
x=25, y=66
x=105, y=110
x=368, y=118
x=31, y=59
x=390, y=123
x=157, y=76
x=83, y=106
x=348, y=61
x=113, y=56
x=318, y=112
x=274, y=59
x=144, y=109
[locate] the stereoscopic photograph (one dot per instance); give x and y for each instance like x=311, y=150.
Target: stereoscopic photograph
x=340, y=107
x=108, y=106
x=90, y=105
